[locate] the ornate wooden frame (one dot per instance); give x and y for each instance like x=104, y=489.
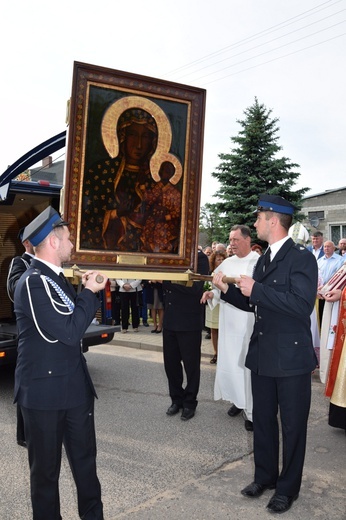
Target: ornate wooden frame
x=99, y=97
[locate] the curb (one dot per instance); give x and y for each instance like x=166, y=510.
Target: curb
x=140, y=341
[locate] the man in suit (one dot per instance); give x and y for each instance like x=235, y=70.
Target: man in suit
x=52, y=383
x=18, y=266
x=281, y=356
x=183, y=322
x=316, y=247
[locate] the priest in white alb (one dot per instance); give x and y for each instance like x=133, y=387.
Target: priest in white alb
x=233, y=379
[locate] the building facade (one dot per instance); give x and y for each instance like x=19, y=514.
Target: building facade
x=326, y=212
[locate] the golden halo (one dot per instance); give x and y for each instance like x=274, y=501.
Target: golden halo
x=155, y=164
x=164, y=139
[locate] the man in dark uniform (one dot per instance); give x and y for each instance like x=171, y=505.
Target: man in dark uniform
x=18, y=266
x=182, y=336
x=52, y=383
x=281, y=357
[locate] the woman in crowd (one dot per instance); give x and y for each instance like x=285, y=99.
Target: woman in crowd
x=155, y=304
x=212, y=316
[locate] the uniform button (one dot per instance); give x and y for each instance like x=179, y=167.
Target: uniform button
x=296, y=342
x=49, y=371
x=261, y=333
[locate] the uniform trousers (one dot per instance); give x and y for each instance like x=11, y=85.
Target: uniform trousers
x=292, y=396
x=182, y=348
x=20, y=425
x=129, y=299
x=46, y=431
x=116, y=306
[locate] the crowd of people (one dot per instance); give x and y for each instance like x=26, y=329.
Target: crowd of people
x=136, y=300
x=259, y=309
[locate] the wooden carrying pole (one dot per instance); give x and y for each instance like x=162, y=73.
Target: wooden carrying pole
x=77, y=272
x=185, y=277
x=195, y=277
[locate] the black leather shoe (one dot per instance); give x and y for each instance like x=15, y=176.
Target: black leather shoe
x=248, y=425
x=233, y=411
x=22, y=443
x=255, y=490
x=173, y=409
x=187, y=414
x=280, y=503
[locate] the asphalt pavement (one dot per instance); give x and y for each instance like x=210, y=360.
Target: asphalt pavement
x=154, y=467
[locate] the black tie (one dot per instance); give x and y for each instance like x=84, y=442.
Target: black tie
x=68, y=285
x=63, y=277
x=266, y=259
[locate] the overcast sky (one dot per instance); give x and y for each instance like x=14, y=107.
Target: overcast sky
x=288, y=54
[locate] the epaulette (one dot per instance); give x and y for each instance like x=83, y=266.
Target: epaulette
x=33, y=271
x=300, y=247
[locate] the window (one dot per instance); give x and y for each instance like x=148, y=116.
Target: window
x=318, y=214
x=336, y=232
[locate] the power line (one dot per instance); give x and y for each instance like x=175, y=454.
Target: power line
x=267, y=42
x=278, y=58
x=270, y=50
x=39, y=169
x=273, y=28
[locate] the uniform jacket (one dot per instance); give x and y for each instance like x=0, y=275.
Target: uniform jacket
x=18, y=266
x=51, y=371
x=183, y=310
x=282, y=298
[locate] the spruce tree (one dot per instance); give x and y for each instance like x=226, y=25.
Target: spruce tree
x=254, y=167
x=211, y=226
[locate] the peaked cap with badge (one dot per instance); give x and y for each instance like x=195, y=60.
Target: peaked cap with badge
x=42, y=225
x=274, y=203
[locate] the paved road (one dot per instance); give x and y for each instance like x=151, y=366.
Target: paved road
x=155, y=467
